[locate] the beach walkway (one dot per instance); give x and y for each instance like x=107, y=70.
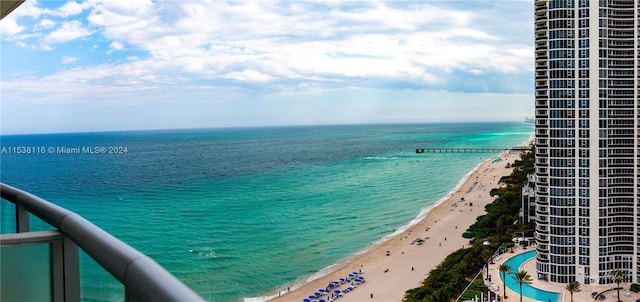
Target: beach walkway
x=471, y=150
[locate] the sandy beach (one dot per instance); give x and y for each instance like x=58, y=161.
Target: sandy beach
x=388, y=277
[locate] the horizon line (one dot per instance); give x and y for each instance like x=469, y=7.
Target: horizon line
x=2, y=134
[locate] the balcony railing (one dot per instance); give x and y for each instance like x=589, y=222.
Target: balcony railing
x=143, y=278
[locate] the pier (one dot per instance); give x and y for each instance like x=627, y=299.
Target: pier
x=471, y=150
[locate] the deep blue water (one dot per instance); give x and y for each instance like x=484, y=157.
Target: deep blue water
x=237, y=213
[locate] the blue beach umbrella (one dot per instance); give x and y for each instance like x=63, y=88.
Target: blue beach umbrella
x=337, y=291
x=306, y=300
x=322, y=290
x=317, y=294
x=312, y=297
x=322, y=301
x=355, y=273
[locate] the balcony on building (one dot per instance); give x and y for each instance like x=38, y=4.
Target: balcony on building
x=620, y=23
x=44, y=265
x=621, y=4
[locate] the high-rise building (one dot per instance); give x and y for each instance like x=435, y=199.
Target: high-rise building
x=587, y=138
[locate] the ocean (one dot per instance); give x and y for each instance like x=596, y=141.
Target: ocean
x=239, y=213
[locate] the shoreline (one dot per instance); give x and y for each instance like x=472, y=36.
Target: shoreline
x=388, y=277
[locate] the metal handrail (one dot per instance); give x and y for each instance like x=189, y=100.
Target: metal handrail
x=142, y=277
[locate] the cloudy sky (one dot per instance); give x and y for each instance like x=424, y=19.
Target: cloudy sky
x=69, y=66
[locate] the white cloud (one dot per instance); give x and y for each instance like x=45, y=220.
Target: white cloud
x=115, y=45
x=282, y=45
x=68, y=60
x=9, y=26
x=248, y=75
x=68, y=31
x=72, y=8
x=27, y=9
x=45, y=24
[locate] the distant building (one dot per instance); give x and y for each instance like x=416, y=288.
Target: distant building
x=587, y=139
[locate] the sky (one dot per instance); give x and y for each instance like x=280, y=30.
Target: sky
x=81, y=66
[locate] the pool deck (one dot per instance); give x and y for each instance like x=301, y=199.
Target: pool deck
x=530, y=266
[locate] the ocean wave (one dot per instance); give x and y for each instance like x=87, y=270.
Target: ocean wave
x=301, y=281
x=207, y=253
x=380, y=158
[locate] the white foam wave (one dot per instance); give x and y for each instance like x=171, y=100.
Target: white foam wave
x=207, y=252
x=300, y=282
x=380, y=158
x=425, y=211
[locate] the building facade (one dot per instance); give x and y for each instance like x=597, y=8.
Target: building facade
x=528, y=207
x=587, y=110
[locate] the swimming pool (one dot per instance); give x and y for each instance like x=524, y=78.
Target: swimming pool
x=527, y=290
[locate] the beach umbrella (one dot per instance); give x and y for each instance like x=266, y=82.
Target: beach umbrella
x=322, y=300
x=342, y=279
x=312, y=297
x=306, y=300
x=337, y=291
x=322, y=290
x=355, y=273
x=318, y=294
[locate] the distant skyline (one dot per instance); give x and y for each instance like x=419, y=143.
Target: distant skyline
x=78, y=66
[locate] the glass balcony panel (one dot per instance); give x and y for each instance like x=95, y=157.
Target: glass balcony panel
x=96, y=283
x=25, y=273
x=7, y=218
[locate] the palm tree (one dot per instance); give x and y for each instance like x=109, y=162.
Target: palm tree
x=617, y=276
x=522, y=277
x=573, y=287
x=505, y=269
x=486, y=256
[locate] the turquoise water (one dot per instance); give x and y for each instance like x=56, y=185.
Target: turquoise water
x=527, y=290
x=239, y=213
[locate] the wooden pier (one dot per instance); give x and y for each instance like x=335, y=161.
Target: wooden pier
x=471, y=150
